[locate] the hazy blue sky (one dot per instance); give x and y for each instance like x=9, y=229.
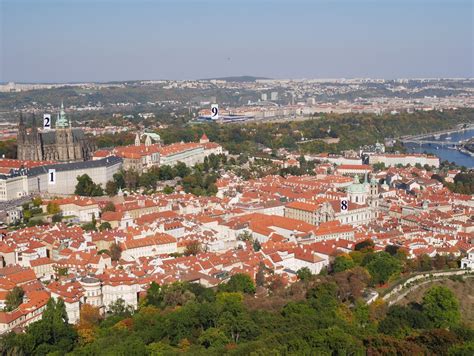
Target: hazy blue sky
x=102, y=40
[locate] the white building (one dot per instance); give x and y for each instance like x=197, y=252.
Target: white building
x=120, y=287
x=13, y=186
x=100, y=171
x=148, y=246
x=391, y=160
x=468, y=262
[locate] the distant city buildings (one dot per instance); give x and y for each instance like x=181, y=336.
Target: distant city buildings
x=110, y=249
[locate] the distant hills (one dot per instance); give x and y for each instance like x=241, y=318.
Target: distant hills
x=242, y=78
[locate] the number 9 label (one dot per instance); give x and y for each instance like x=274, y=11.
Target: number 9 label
x=214, y=112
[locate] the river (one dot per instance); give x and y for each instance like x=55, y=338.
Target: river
x=442, y=150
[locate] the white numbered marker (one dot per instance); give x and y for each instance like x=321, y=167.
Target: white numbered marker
x=47, y=121
x=214, y=112
x=51, y=176
x=344, y=205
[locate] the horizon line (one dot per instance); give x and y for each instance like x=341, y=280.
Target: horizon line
x=232, y=76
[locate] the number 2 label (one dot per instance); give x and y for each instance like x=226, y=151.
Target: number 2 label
x=47, y=121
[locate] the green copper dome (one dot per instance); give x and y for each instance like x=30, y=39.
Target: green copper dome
x=356, y=186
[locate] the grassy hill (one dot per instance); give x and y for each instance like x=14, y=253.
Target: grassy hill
x=464, y=291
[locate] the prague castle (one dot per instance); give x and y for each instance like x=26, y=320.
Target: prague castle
x=63, y=143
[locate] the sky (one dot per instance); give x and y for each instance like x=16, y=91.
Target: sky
x=108, y=40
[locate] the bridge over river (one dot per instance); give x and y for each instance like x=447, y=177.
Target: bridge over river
x=430, y=138
x=433, y=142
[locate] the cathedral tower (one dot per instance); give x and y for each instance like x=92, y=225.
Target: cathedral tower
x=63, y=143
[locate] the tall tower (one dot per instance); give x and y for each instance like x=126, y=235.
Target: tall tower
x=21, y=139
x=373, y=198
x=35, y=141
x=62, y=121
x=64, y=137
x=148, y=141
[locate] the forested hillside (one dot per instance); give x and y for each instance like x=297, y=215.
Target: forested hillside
x=319, y=315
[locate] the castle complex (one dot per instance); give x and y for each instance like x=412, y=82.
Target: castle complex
x=60, y=144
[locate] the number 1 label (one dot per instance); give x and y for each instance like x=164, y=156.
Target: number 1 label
x=51, y=176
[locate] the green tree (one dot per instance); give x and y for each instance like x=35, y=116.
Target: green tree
x=168, y=190
x=342, y=263
x=115, y=251
x=105, y=226
x=323, y=298
x=382, y=266
x=53, y=208
x=57, y=218
x=441, y=307
x=364, y=245
x=153, y=295
x=166, y=173
x=304, y=274
x=193, y=248
x=378, y=166
x=119, y=180
x=86, y=187
x=111, y=188
x=91, y=226
x=37, y=201
x=437, y=341
x=131, y=179
x=51, y=334
x=119, y=308
x=256, y=245
x=260, y=276
x=14, y=298
x=108, y=207
x=245, y=236
x=213, y=337
x=392, y=249
x=401, y=320
x=182, y=170
x=176, y=294
x=240, y=282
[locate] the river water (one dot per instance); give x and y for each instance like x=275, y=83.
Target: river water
x=442, y=151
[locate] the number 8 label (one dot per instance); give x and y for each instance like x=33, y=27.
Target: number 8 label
x=344, y=205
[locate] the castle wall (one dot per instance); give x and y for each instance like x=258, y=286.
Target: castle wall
x=67, y=173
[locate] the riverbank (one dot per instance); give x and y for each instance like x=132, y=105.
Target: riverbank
x=437, y=134
x=439, y=147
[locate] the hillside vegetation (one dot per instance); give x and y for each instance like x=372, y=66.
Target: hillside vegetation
x=463, y=289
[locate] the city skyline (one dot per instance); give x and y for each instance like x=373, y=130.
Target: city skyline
x=117, y=41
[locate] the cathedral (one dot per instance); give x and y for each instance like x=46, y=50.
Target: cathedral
x=63, y=143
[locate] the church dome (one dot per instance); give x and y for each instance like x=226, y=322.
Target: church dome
x=356, y=186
